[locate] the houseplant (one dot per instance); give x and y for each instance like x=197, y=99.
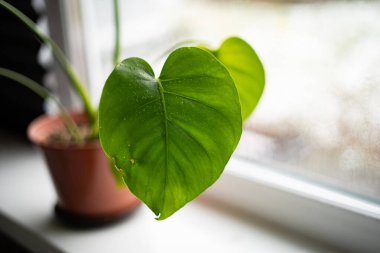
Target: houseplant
x=169, y=138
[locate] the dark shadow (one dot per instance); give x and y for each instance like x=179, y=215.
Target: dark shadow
x=10, y=246
x=67, y=220
x=19, y=50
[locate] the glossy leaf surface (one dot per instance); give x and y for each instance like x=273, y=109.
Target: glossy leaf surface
x=172, y=135
x=246, y=69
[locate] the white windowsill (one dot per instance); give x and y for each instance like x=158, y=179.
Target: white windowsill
x=330, y=216
x=27, y=199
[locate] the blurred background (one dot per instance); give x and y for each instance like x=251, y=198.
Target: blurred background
x=319, y=117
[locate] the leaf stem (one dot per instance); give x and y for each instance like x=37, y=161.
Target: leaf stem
x=71, y=126
x=61, y=59
x=116, y=55
x=175, y=46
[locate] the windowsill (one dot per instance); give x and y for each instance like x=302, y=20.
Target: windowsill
x=327, y=215
x=27, y=198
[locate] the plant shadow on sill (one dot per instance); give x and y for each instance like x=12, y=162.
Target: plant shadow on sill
x=266, y=225
x=75, y=222
x=62, y=222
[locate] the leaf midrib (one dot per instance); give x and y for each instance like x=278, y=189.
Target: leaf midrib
x=162, y=97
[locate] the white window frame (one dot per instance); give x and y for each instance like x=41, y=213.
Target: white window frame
x=336, y=218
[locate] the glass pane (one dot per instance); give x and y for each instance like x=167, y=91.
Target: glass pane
x=319, y=116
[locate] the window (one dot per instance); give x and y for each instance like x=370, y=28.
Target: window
x=319, y=114
x=318, y=125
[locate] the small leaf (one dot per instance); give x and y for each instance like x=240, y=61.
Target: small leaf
x=246, y=69
x=173, y=135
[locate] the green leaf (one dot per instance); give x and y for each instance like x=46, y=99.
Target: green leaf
x=246, y=69
x=173, y=135
x=117, y=175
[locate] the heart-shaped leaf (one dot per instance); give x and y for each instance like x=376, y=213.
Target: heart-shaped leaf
x=246, y=69
x=173, y=135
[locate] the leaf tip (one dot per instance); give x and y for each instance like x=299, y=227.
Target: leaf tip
x=161, y=217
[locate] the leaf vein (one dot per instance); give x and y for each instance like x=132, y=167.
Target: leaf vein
x=201, y=103
x=193, y=99
x=147, y=103
x=188, y=77
x=161, y=91
x=184, y=131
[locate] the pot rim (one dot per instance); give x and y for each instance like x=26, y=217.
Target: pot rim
x=41, y=127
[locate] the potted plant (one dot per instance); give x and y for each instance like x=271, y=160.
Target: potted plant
x=167, y=138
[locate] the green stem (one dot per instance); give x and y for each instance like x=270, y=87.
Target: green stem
x=44, y=93
x=116, y=55
x=175, y=46
x=60, y=57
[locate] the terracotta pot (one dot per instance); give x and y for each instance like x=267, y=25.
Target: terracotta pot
x=86, y=188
